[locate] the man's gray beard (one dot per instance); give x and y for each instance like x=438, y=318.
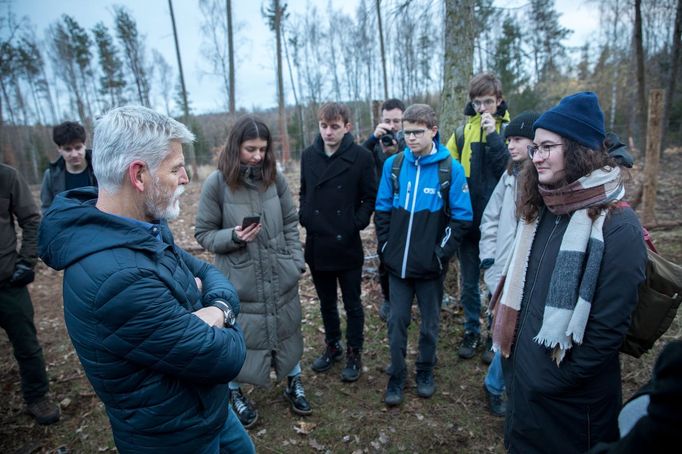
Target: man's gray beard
x=152, y=203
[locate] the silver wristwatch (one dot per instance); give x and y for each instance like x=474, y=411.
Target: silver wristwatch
x=229, y=319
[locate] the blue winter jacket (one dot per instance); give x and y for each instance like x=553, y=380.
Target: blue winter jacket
x=415, y=237
x=161, y=372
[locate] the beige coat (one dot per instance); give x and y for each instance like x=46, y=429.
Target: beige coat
x=265, y=272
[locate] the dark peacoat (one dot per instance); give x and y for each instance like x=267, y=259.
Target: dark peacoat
x=336, y=202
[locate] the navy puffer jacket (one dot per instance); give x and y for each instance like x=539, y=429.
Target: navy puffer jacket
x=161, y=372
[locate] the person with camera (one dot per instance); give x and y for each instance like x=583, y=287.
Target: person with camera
x=386, y=140
x=248, y=219
x=479, y=146
x=16, y=309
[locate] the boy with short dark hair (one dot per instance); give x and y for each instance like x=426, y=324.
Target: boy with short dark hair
x=417, y=236
x=479, y=146
x=338, y=189
x=73, y=169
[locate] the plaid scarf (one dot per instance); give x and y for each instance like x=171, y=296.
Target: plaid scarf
x=575, y=273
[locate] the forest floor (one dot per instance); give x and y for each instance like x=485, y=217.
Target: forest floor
x=346, y=417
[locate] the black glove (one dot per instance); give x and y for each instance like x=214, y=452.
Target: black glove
x=487, y=263
x=22, y=276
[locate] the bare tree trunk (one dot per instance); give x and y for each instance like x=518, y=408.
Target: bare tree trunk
x=282, y=115
x=185, y=105
x=230, y=56
x=639, y=57
x=299, y=108
x=381, y=46
x=674, y=69
x=653, y=152
x=458, y=62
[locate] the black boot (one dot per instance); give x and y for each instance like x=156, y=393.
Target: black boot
x=296, y=396
x=242, y=407
x=394, y=390
x=353, y=367
x=332, y=352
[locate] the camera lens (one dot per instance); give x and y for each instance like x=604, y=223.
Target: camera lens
x=387, y=139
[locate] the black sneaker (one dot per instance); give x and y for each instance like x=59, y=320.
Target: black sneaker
x=295, y=394
x=44, y=411
x=385, y=311
x=487, y=355
x=425, y=383
x=242, y=407
x=332, y=352
x=496, y=404
x=353, y=367
x=394, y=391
x=470, y=342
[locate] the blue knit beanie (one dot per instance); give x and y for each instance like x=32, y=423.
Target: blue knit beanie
x=577, y=117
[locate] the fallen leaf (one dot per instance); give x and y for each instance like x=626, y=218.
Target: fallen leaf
x=304, y=428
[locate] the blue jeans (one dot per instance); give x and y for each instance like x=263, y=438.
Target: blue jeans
x=470, y=269
x=232, y=439
x=494, y=380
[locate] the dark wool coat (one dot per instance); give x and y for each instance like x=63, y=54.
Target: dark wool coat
x=571, y=407
x=336, y=202
x=160, y=371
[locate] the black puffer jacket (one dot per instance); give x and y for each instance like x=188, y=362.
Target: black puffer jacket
x=571, y=407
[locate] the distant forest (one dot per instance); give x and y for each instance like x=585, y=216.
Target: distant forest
x=416, y=50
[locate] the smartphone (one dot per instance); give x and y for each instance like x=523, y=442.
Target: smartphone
x=250, y=220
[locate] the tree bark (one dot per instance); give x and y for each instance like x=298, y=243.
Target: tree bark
x=230, y=53
x=185, y=105
x=653, y=150
x=381, y=46
x=282, y=116
x=639, y=58
x=674, y=70
x=458, y=62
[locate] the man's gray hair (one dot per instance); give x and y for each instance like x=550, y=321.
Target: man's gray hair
x=129, y=133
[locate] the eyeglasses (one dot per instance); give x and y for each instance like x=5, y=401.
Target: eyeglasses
x=542, y=151
x=488, y=102
x=417, y=133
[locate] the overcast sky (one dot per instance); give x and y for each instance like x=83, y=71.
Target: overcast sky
x=255, y=69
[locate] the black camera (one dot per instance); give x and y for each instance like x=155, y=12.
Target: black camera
x=387, y=139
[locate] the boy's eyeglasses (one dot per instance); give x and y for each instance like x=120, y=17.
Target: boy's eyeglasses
x=417, y=133
x=542, y=151
x=488, y=102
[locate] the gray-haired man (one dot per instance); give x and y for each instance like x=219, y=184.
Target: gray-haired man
x=154, y=327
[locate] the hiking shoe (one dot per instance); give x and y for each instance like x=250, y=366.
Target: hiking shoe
x=470, y=342
x=487, y=355
x=295, y=394
x=332, y=352
x=496, y=403
x=425, y=384
x=44, y=411
x=385, y=311
x=242, y=407
x=353, y=367
x=394, y=391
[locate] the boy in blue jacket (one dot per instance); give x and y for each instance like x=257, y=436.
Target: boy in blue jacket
x=418, y=234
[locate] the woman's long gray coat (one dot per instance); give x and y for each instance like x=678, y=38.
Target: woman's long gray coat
x=265, y=271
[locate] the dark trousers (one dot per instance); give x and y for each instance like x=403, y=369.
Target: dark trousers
x=429, y=294
x=383, y=281
x=470, y=269
x=16, y=318
x=349, y=281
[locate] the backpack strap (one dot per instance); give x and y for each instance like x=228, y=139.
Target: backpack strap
x=459, y=138
x=444, y=177
x=395, y=172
